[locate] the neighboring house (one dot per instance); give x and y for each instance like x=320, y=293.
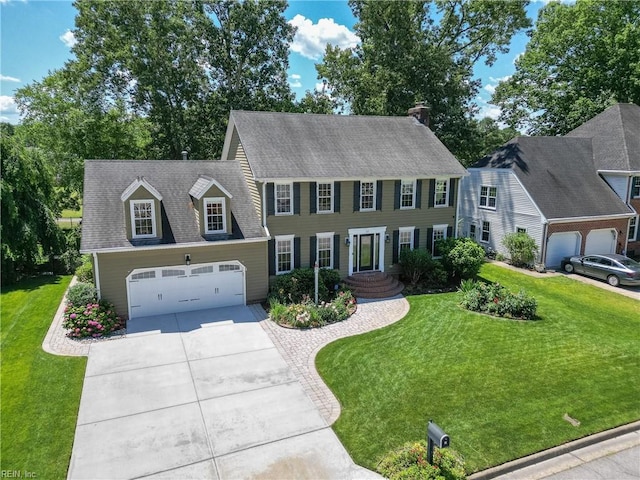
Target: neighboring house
x=349, y=192
x=576, y=194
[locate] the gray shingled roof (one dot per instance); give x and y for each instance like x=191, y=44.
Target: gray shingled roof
x=103, y=221
x=559, y=174
x=289, y=145
x=616, y=137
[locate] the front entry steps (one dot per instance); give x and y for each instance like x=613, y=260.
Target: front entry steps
x=373, y=285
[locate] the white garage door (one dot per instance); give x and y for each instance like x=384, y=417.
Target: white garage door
x=562, y=245
x=601, y=241
x=156, y=291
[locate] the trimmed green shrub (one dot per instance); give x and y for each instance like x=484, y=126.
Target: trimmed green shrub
x=409, y=462
x=91, y=320
x=294, y=287
x=82, y=293
x=85, y=271
x=494, y=299
x=522, y=248
x=415, y=264
x=461, y=257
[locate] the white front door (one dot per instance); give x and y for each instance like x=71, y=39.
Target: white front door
x=161, y=290
x=366, y=249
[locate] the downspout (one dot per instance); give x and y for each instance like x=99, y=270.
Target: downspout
x=96, y=274
x=543, y=250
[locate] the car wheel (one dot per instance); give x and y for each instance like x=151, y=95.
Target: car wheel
x=613, y=280
x=568, y=267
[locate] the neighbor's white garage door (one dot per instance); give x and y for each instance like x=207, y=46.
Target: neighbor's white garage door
x=156, y=291
x=601, y=241
x=562, y=245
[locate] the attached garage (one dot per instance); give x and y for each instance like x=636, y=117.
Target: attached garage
x=601, y=241
x=561, y=245
x=173, y=289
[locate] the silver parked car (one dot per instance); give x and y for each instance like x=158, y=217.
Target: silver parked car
x=615, y=269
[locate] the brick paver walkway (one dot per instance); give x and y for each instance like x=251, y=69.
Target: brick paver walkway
x=299, y=347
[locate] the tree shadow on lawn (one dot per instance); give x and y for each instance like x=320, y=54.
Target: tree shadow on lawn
x=31, y=283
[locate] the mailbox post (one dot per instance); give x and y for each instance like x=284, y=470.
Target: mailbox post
x=437, y=437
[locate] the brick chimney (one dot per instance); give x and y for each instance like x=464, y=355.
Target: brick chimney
x=420, y=113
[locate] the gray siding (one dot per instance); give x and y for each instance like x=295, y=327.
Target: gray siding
x=115, y=266
x=619, y=184
x=514, y=208
x=305, y=224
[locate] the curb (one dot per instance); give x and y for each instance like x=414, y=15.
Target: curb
x=554, y=452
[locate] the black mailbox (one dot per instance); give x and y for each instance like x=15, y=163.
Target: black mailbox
x=437, y=435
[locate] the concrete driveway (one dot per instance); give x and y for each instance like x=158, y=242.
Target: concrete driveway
x=201, y=395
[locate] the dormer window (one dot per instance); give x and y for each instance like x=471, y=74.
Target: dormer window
x=143, y=219
x=215, y=215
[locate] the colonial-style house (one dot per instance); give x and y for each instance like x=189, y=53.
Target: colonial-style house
x=347, y=192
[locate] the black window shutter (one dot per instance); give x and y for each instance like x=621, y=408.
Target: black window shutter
x=379, y=195
x=449, y=232
x=312, y=250
x=271, y=208
x=296, y=252
x=296, y=198
x=416, y=238
x=336, y=197
x=430, y=240
x=419, y=194
x=432, y=191
x=336, y=252
x=313, y=208
x=396, y=246
x=396, y=195
x=356, y=196
x=452, y=191
x=271, y=247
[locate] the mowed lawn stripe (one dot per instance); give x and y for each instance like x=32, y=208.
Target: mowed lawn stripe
x=40, y=392
x=498, y=387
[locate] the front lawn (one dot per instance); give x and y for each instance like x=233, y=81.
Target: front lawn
x=40, y=392
x=499, y=388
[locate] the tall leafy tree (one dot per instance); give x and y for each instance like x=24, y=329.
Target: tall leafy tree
x=28, y=223
x=484, y=136
x=421, y=51
x=580, y=59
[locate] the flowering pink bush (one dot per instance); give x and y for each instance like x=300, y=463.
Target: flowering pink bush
x=91, y=320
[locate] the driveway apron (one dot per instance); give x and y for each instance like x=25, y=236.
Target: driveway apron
x=201, y=395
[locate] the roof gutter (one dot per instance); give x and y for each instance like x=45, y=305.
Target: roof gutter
x=348, y=179
x=621, y=173
x=173, y=246
x=591, y=218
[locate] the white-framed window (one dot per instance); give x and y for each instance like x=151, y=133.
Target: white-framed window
x=635, y=187
x=441, y=195
x=284, y=198
x=215, y=220
x=488, y=196
x=284, y=254
x=405, y=239
x=367, y=196
x=439, y=233
x=486, y=232
x=472, y=231
x=324, y=249
x=633, y=229
x=143, y=219
x=325, y=197
x=521, y=230
x=407, y=194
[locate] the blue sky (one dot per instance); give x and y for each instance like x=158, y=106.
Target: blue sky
x=35, y=38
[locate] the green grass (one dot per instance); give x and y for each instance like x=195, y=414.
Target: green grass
x=40, y=392
x=498, y=387
x=71, y=213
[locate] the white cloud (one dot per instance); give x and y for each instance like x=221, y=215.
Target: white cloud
x=500, y=79
x=68, y=38
x=311, y=39
x=490, y=88
x=515, y=59
x=8, y=104
x=295, y=76
x=294, y=80
x=7, y=78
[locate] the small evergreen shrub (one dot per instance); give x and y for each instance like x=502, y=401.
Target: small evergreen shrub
x=409, y=462
x=495, y=299
x=85, y=271
x=461, y=257
x=415, y=264
x=522, y=248
x=295, y=286
x=82, y=293
x=91, y=320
